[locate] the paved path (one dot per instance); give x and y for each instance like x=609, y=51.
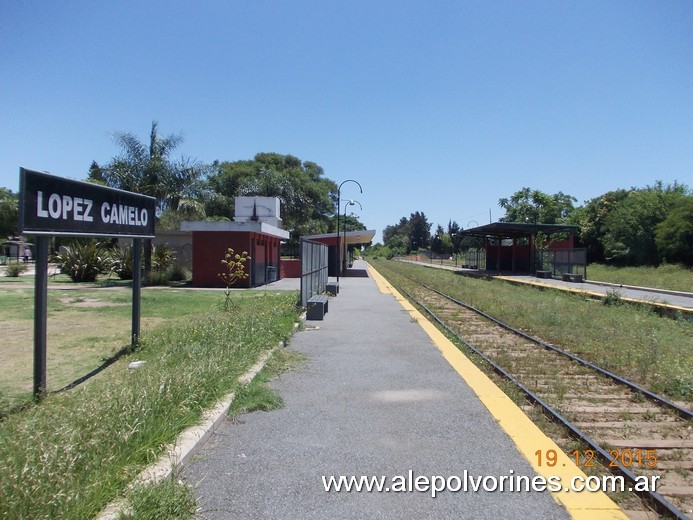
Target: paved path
x=375, y=397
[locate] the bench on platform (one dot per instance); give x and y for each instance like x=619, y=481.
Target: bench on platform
x=317, y=307
x=333, y=288
x=543, y=274
x=572, y=277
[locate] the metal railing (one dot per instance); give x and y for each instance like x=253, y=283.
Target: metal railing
x=314, y=266
x=559, y=261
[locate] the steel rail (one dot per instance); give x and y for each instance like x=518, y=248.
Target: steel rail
x=683, y=412
x=658, y=501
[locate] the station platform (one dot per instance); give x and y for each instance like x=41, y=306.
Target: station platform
x=661, y=298
x=382, y=393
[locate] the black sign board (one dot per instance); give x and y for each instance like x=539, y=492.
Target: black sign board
x=52, y=205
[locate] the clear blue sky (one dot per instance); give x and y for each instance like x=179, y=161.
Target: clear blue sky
x=435, y=106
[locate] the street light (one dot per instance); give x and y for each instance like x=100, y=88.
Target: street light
x=476, y=248
x=339, y=244
x=351, y=202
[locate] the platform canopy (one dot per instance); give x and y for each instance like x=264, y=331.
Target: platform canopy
x=361, y=236
x=518, y=229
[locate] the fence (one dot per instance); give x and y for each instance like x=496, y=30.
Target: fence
x=314, y=266
x=475, y=258
x=559, y=261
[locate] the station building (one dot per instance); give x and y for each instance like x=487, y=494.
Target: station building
x=513, y=247
x=255, y=229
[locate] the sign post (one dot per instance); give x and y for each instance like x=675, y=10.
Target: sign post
x=54, y=206
x=136, y=289
x=40, y=320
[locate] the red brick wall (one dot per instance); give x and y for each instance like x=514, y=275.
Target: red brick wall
x=291, y=268
x=209, y=248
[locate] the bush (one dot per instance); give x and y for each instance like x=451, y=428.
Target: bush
x=83, y=261
x=158, y=278
x=177, y=273
x=163, y=258
x=121, y=262
x=14, y=270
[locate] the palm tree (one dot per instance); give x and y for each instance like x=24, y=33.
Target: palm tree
x=176, y=185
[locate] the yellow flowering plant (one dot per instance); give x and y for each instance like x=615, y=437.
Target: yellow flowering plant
x=235, y=265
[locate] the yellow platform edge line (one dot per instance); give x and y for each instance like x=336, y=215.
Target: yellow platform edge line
x=527, y=437
x=594, y=294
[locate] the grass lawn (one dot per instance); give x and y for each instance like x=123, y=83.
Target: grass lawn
x=85, y=327
x=74, y=452
x=671, y=277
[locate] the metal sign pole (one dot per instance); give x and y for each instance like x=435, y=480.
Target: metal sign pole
x=40, y=320
x=136, y=288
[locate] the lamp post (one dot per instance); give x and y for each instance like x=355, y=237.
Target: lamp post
x=351, y=202
x=475, y=243
x=339, y=244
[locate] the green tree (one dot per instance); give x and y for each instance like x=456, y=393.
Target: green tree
x=307, y=197
x=9, y=212
x=674, y=235
x=592, y=217
x=454, y=231
x=528, y=205
x=396, y=237
x=148, y=168
x=419, y=231
x=437, y=243
x=409, y=234
x=629, y=237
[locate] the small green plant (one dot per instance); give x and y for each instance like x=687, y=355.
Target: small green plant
x=235, y=270
x=649, y=416
x=177, y=273
x=613, y=297
x=163, y=258
x=158, y=278
x=15, y=269
x=121, y=262
x=169, y=499
x=83, y=261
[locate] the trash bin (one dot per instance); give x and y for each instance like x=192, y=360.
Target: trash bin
x=271, y=274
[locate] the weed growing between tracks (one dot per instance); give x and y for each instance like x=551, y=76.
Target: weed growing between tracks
x=631, y=341
x=72, y=454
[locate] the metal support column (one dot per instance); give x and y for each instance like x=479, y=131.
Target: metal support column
x=40, y=320
x=136, y=288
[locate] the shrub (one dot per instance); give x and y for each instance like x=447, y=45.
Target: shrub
x=121, y=262
x=163, y=258
x=158, y=278
x=177, y=273
x=613, y=297
x=83, y=261
x=14, y=270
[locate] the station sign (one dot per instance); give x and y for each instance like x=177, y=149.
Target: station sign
x=51, y=205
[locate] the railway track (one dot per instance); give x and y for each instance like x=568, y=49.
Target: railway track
x=621, y=427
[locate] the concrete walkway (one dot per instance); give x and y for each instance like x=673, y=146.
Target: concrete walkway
x=374, y=398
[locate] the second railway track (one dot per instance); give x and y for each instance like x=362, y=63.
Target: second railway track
x=633, y=431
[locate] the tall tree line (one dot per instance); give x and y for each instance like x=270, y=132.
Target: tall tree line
x=186, y=189
x=636, y=226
